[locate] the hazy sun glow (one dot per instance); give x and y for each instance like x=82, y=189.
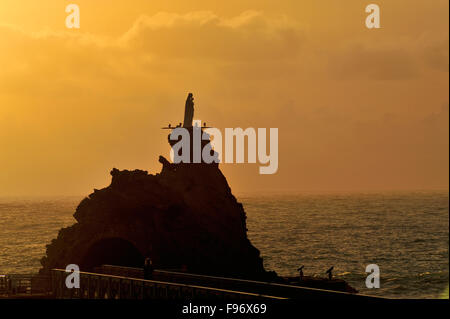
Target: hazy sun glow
x=356, y=109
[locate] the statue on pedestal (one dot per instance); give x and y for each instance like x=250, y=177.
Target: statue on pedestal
x=193, y=139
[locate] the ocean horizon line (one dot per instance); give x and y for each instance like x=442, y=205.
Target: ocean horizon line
x=253, y=193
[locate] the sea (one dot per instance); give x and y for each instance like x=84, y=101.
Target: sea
x=406, y=234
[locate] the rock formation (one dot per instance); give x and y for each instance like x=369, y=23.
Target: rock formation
x=183, y=218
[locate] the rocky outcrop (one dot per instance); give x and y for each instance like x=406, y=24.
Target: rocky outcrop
x=182, y=218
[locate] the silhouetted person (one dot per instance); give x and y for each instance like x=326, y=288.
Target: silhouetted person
x=300, y=270
x=148, y=268
x=329, y=272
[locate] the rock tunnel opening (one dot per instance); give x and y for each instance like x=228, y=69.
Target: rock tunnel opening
x=112, y=251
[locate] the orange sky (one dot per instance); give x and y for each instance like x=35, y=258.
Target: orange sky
x=357, y=109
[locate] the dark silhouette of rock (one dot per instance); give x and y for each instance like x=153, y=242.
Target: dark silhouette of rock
x=184, y=217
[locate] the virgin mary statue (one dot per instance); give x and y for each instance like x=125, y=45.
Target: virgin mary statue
x=189, y=111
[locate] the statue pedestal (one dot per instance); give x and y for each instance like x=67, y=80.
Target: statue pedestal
x=195, y=138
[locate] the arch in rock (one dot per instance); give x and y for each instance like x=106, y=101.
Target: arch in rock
x=111, y=251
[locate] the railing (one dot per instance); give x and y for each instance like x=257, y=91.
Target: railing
x=3, y=285
x=249, y=286
x=101, y=286
x=18, y=284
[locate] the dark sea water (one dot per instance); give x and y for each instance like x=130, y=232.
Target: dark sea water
x=405, y=234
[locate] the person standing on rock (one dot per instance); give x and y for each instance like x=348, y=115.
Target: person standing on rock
x=148, y=268
x=300, y=270
x=330, y=273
